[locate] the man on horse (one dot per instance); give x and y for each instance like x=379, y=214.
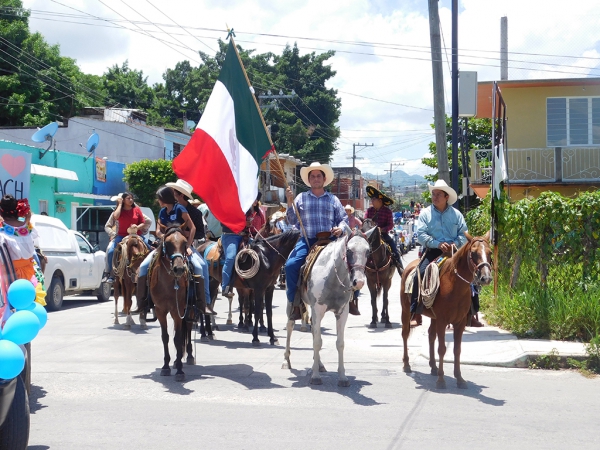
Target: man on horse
x=353, y=221
x=439, y=228
x=319, y=211
x=384, y=218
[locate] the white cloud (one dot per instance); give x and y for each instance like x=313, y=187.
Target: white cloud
x=398, y=72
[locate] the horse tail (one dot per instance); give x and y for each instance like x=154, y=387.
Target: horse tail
x=379, y=289
x=184, y=334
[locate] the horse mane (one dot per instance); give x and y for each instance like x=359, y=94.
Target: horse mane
x=171, y=228
x=283, y=238
x=452, y=263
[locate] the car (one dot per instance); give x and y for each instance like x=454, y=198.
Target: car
x=14, y=393
x=74, y=266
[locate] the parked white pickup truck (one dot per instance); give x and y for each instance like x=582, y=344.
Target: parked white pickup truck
x=74, y=266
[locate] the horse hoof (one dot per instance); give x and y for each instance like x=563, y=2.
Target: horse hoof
x=434, y=372
x=180, y=377
x=322, y=368
x=165, y=372
x=190, y=361
x=204, y=339
x=316, y=381
x=127, y=326
x=143, y=326
x=406, y=369
x=229, y=322
x=462, y=384
x=116, y=322
x=262, y=329
x=344, y=383
x=274, y=342
x=440, y=384
x=373, y=325
x=388, y=325
x=211, y=337
x=286, y=365
x=255, y=343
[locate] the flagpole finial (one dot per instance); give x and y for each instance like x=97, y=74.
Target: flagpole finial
x=230, y=33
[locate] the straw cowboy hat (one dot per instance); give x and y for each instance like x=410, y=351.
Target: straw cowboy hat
x=350, y=208
x=376, y=193
x=440, y=185
x=115, y=197
x=182, y=186
x=328, y=171
x=195, y=202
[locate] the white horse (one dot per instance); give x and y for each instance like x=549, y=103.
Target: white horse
x=338, y=271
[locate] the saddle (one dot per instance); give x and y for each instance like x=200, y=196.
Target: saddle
x=430, y=284
x=314, y=252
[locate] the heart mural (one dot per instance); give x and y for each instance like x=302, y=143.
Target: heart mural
x=14, y=166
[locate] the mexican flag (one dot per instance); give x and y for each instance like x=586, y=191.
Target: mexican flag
x=223, y=157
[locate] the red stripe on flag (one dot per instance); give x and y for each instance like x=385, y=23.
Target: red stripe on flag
x=203, y=165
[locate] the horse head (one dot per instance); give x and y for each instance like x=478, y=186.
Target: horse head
x=174, y=248
x=135, y=248
x=368, y=225
x=357, y=250
x=480, y=258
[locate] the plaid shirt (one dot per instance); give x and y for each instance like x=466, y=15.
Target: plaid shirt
x=317, y=213
x=384, y=219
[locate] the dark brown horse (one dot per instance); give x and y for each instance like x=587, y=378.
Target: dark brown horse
x=271, y=253
x=169, y=282
x=470, y=264
x=129, y=254
x=380, y=270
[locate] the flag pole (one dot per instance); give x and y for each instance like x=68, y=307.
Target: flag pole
x=273, y=150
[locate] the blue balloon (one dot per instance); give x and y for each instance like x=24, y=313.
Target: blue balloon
x=40, y=313
x=21, y=294
x=22, y=327
x=12, y=360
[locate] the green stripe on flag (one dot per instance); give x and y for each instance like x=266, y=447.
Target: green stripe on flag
x=248, y=123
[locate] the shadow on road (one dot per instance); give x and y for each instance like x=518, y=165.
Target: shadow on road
x=243, y=374
x=37, y=393
x=475, y=391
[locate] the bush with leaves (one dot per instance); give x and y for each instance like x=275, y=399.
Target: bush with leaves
x=145, y=177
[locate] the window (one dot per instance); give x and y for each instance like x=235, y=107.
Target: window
x=43, y=206
x=176, y=149
x=572, y=121
x=83, y=245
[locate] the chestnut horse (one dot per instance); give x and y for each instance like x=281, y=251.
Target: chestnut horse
x=129, y=255
x=470, y=264
x=380, y=270
x=169, y=281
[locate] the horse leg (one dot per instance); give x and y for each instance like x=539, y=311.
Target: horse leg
x=441, y=335
x=229, y=315
x=162, y=319
x=385, y=316
x=269, y=308
x=116, y=295
x=458, y=333
x=203, y=337
x=432, y=332
x=405, y=302
x=128, y=302
x=317, y=313
x=178, y=340
x=373, y=292
x=339, y=343
x=258, y=301
x=190, y=361
x=289, y=328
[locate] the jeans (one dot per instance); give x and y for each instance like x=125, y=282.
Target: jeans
x=231, y=243
x=200, y=268
x=293, y=265
x=430, y=255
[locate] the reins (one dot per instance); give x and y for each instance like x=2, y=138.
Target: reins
x=470, y=263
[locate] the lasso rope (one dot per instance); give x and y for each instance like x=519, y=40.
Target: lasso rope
x=253, y=270
x=120, y=268
x=430, y=284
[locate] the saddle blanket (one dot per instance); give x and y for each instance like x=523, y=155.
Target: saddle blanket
x=410, y=278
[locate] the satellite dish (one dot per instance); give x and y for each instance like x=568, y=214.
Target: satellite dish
x=191, y=124
x=45, y=134
x=92, y=144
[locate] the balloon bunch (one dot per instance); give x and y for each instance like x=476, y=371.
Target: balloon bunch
x=20, y=328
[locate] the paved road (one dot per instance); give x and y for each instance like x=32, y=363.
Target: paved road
x=96, y=386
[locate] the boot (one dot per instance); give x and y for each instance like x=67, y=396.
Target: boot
x=199, y=296
x=141, y=294
x=475, y=321
x=227, y=292
x=296, y=314
x=353, y=307
x=417, y=320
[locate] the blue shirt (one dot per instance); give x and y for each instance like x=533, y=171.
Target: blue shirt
x=435, y=227
x=174, y=217
x=317, y=213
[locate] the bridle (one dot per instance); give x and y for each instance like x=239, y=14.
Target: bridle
x=350, y=267
x=173, y=257
x=471, y=263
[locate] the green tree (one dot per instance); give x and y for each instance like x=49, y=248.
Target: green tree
x=128, y=87
x=145, y=177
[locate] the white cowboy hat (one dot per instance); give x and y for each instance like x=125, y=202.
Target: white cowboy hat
x=328, y=171
x=182, y=186
x=350, y=208
x=115, y=197
x=278, y=215
x=440, y=185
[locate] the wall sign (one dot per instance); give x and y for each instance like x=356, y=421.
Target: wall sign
x=15, y=173
x=101, y=170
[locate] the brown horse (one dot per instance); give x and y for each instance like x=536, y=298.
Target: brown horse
x=129, y=254
x=169, y=281
x=470, y=264
x=380, y=270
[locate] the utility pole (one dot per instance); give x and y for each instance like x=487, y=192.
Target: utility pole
x=439, y=110
x=390, y=171
x=274, y=98
x=504, y=48
x=455, y=95
x=354, y=158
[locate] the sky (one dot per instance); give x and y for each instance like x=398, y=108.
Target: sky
x=383, y=59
